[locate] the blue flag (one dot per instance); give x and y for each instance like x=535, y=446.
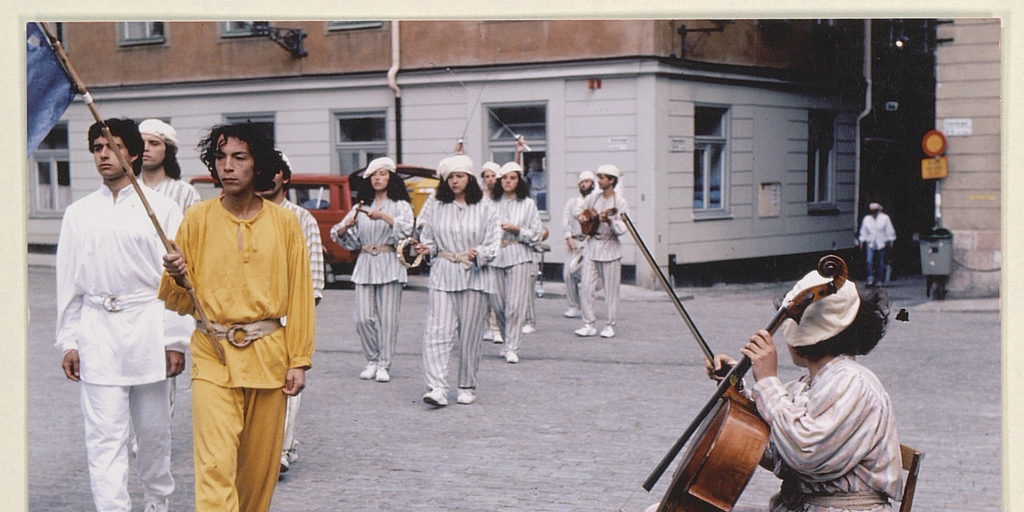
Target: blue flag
x=49, y=89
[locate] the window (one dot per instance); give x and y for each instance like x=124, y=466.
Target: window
x=141, y=32
x=236, y=29
x=360, y=138
x=51, y=183
x=820, y=168
x=709, y=130
x=504, y=123
x=264, y=121
x=352, y=25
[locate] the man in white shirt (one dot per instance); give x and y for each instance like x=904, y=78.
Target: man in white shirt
x=117, y=338
x=574, y=242
x=160, y=169
x=603, y=258
x=876, y=237
x=310, y=229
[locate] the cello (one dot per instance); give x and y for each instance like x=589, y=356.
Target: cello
x=732, y=436
x=729, y=436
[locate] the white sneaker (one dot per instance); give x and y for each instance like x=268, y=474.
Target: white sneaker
x=608, y=332
x=529, y=329
x=511, y=357
x=498, y=338
x=436, y=397
x=370, y=371
x=571, y=313
x=285, y=463
x=466, y=396
x=489, y=336
x=383, y=375
x=586, y=330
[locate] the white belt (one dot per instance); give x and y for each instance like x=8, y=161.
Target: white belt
x=862, y=500
x=377, y=249
x=115, y=303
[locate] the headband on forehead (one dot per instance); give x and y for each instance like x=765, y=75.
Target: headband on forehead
x=489, y=166
x=507, y=168
x=585, y=175
x=380, y=163
x=457, y=163
x=609, y=170
x=160, y=129
x=824, y=318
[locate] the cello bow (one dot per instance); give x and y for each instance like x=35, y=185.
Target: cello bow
x=828, y=266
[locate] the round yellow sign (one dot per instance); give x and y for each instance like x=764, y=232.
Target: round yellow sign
x=933, y=143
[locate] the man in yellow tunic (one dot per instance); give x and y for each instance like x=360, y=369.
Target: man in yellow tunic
x=246, y=259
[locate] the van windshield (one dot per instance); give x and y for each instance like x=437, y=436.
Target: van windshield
x=310, y=197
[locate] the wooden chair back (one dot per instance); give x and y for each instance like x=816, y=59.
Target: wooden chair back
x=911, y=464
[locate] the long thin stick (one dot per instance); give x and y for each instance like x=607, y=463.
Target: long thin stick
x=63, y=57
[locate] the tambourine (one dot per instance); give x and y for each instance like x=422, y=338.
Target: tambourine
x=405, y=250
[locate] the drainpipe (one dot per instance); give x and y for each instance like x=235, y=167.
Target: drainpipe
x=393, y=84
x=864, y=113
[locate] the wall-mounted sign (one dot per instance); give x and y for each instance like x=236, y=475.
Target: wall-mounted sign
x=769, y=200
x=933, y=143
x=933, y=168
x=678, y=144
x=957, y=127
x=618, y=143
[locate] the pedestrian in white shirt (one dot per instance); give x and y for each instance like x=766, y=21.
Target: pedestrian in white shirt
x=876, y=237
x=603, y=258
x=117, y=339
x=575, y=241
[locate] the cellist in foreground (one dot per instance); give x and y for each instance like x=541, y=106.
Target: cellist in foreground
x=832, y=434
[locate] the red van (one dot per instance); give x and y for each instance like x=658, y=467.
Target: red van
x=327, y=197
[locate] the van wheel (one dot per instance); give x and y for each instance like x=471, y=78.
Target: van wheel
x=329, y=274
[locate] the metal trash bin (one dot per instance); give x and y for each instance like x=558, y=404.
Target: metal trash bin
x=937, y=259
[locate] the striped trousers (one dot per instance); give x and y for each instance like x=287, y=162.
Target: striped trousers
x=511, y=300
x=376, y=318
x=608, y=273
x=453, y=316
x=572, y=282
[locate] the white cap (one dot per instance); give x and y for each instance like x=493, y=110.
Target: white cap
x=609, y=170
x=875, y=206
x=379, y=163
x=286, y=161
x=824, y=318
x=489, y=166
x=585, y=175
x=160, y=129
x=509, y=167
x=457, y=163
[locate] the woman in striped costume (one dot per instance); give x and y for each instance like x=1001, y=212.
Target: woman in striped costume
x=832, y=436
x=462, y=236
x=520, y=225
x=382, y=218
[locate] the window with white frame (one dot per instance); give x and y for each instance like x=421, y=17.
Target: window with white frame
x=709, y=158
x=334, y=26
x=236, y=28
x=141, y=32
x=820, y=158
x=263, y=120
x=504, y=123
x=50, y=173
x=360, y=137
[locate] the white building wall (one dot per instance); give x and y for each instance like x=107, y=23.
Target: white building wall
x=639, y=119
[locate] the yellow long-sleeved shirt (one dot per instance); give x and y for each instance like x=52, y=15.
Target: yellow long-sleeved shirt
x=243, y=271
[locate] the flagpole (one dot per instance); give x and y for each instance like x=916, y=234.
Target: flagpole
x=63, y=58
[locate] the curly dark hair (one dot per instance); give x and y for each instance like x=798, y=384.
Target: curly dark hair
x=473, y=193
x=266, y=160
x=127, y=131
x=522, y=189
x=862, y=335
x=171, y=167
x=396, y=190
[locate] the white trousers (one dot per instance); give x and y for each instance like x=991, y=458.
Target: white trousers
x=453, y=316
x=511, y=300
x=376, y=317
x=572, y=282
x=608, y=273
x=291, y=413
x=108, y=412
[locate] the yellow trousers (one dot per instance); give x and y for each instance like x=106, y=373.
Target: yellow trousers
x=236, y=436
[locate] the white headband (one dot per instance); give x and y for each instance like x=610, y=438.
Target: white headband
x=379, y=163
x=489, y=166
x=824, y=318
x=609, y=170
x=507, y=168
x=585, y=175
x=457, y=163
x=160, y=129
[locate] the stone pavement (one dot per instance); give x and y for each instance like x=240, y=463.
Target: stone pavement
x=577, y=425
